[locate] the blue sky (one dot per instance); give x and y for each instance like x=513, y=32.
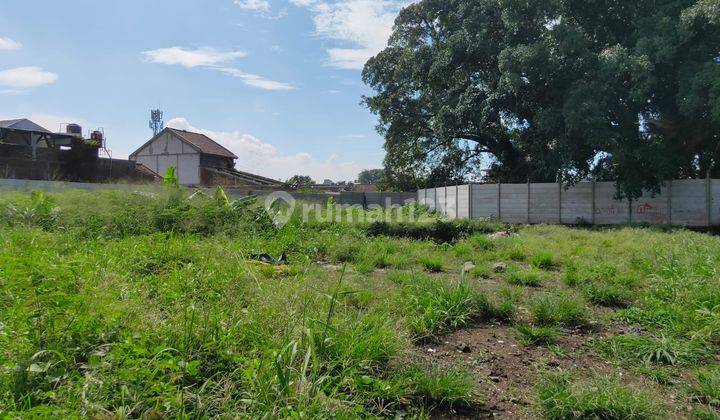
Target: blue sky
x=276, y=81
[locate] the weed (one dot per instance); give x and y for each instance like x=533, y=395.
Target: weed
x=661, y=350
x=544, y=261
x=441, y=387
x=599, y=398
x=706, y=389
x=432, y=265
x=559, y=309
x=531, y=335
x=481, y=272
x=527, y=278
x=607, y=294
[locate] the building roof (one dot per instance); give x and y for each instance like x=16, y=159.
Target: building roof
x=203, y=143
x=23, y=124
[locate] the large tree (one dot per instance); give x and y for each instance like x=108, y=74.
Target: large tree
x=551, y=89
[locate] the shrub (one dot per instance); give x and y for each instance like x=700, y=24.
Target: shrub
x=559, y=309
x=439, y=231
x=598, y=398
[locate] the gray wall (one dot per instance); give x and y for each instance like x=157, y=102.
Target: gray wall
x=691, y=202
x=383, y=199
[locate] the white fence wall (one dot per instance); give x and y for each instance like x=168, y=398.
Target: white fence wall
x=693, y=202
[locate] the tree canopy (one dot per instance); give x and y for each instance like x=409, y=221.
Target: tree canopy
x=300, y=181
x=547, y=90
x=371, y=176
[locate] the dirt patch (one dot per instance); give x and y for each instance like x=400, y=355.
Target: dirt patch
x=506, y=371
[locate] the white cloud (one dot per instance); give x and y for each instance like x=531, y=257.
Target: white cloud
x=255, y=80
x=211, y=59
x=9, y=44
x=200, y=57
x=257, y=5
x=26, y=77
x=265, y=159
x=365, y=25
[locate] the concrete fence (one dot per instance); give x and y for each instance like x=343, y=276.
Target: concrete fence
x=365, y=199
x=690, y=202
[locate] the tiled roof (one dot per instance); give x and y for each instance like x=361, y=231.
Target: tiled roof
x=203, y=143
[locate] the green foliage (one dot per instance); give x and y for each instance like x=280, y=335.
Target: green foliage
x=170, y=177
x=544, y=261
x=707, y=386
x=300, y=182
x=608, y=294
x=529, y=278
x=559, y=309
x=432, y=265
x=439, y=231
x=600, y=397
x=371, y=176
x=437, y=308
x=440, y=387
x=464, y=78
x=531, y=335
x=661, y=350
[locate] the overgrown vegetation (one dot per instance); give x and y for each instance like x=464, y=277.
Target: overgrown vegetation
x=147, y=304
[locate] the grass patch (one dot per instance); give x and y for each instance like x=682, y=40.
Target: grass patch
x=531, y=335
x=544, y=261
x=706, y=388
x=599, y=398
x=661, y=350
x=431, y=265
x=559, y=309
x=608, y=294
x=528, y=278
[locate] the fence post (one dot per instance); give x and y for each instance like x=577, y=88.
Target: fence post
x=499, y=197
x=669, y=202
x=708, y=199
x=560, y=202
x=457, y=202
x=528, y=201
x=470, y=201
x=592, y=218
x=630, y=212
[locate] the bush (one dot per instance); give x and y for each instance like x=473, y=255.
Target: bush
x=561, y=309
x=598, y=398
x=439, y=231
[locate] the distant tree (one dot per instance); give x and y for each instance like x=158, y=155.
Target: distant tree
x=551, y=89
x=371, y=176
x=300, y=181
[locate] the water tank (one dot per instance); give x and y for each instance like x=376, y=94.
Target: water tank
x=74, y=129
x=97, y=136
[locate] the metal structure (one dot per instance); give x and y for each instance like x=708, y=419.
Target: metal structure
x=156, y=123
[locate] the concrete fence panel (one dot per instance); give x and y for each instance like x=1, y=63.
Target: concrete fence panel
x=430, y=195
x=544, y=206
x=652, y=209
x=484, y=201
x=514, y=203
x=608, y=210
x=689, y=202
x=577, y=204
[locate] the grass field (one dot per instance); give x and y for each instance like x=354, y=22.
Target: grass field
x=129, y=305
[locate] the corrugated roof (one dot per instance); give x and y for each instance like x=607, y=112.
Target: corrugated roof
x=203, y=143
x=23, y=124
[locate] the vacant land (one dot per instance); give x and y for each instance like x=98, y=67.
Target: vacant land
x=131, y=305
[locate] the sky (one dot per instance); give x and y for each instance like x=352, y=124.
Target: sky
x=278, y=82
